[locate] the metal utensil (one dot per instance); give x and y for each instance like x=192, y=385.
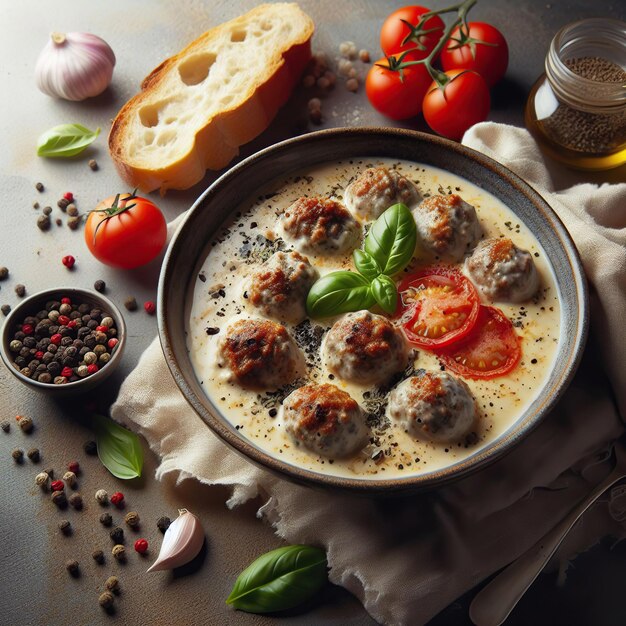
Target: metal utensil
x=493, y=604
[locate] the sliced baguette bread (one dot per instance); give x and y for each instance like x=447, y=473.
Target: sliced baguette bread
x=221, y=91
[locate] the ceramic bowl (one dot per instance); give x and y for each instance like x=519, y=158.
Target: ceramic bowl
x=37, y=302
x=188, y=249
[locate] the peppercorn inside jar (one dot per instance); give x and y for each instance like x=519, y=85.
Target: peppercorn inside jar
x=577, y=110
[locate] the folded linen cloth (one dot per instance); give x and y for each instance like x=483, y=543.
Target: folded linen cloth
x=408, y=558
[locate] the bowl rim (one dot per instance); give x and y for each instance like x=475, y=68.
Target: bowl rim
x=366, y=486
x=47, y=294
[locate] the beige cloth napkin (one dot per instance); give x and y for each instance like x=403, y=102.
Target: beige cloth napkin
x=408, y=558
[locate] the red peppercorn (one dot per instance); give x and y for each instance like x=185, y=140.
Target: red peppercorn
x=66, y=301
x=149, y=307
x=73, y=466
x=112, y=342
x=69, y=196
x=27, y=329
x=117, y=499
x=56, y=339
x=57, y=485
x=102, y=329
x=63, y=320
x=68, y=261
x=141, y=546
x=39, y=355
x=92, y=368
x=67, y=372
x=71, y=324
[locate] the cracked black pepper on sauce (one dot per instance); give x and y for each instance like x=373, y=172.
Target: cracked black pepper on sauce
x=253, y=235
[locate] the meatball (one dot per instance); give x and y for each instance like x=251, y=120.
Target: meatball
x=325, y=419
x=279, y=287
x=447, y=226
x=434, y=405
x=320, y=226
x=378, y=188
x=259, y=354
x=365, y=348
x=502, y=271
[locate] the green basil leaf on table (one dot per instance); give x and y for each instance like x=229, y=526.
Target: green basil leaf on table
x=119, y=449
x=66, y=140
x=280, y=580
x=339, y=292
x=385, y=292
x=366, y=264
x=392, y=238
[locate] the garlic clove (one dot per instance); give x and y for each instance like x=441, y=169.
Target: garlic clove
x=182, y=542
x=74, y=66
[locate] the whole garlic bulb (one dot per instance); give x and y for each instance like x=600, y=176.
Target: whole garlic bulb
x=74, y=66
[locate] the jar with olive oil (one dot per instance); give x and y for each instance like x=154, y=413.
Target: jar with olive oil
x=577, y=110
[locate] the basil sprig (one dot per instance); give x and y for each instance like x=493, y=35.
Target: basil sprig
x=119, y=449
x=66, y=140
x=389, y=246
x=280, y=580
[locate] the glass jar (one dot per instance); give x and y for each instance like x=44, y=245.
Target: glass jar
x=577, y=110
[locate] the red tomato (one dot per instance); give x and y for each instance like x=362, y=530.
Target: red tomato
x=492, y=348
x=394, y=97
x=438, y=307
x=394, y=33
x=125, y=231
x=463, y=102
x=485, y=52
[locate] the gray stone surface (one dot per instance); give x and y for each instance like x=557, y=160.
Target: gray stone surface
x=36, y=589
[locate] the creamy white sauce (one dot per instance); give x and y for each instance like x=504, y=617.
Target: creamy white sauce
x=219, y=298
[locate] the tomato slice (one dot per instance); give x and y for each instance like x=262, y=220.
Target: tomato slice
x=491, y=349
x=438, y=306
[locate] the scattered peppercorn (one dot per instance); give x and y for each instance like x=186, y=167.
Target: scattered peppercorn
x=58, y=497
x=112, y=584
x=69, y=196
x=141, y=546
x=34, y=455
x=90, y=448
x=163, y=523
x=106, y=519
x=98, y=556
x=5, y=425
x=5, y=308
x=72, y=210
x=117, y=535
x=25, y=423
x=100, y=286
x=39, y=187
x=41, y=480
x=57, y=485
x=106, y=600
x=130, y=303
x=70, y=478
x=118, y=499
x=102, y=497
x=73, y=222
x=43, y=222
x=93, y=165
x=149, y=307
x=62, y=203
x=72, y=568
x=4, y=273
x=68, y=261
x=132, y=519
x=35, y=205
x=76, y=500
x=65, y=527
x=73, y=466
x=18, y=455
x=20, y=290
x=47, y=210
x=119, y=552
x=58, y=221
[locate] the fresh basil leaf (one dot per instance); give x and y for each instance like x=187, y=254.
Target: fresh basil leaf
x=339, y=292
x=385, y=292
x=366, y=264
x=392, y=238
x=280, y=580
x=118, y=448
x=66, y=140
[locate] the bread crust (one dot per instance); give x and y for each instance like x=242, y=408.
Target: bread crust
x=217, y=142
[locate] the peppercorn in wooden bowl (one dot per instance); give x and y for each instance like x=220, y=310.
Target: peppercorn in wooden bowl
x=63, y=341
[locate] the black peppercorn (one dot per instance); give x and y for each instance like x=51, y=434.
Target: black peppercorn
x=130, y=303
x=18, y=455
x=106, y=598
x=98, y=556
x=100, y=286
x=58, y=497
x=72, y=568
x=4, y=272
x=106, y=519
x=90, y=448
x=65, y=527
x=62, y=203
x=163, y=523
x=5, y=308
x=117, y=535
x=43, y=222
x=34, y=455
x=20, y=290
x=76, y=501
x=93, y=165
x=39, y=187
x=5, y=425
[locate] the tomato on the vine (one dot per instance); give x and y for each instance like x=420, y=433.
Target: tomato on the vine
x=438, y=306
x=463, y=102
x=125, y=231
x=397, y=94
x=491, y=349
x=481, y=48
x=396, y=36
